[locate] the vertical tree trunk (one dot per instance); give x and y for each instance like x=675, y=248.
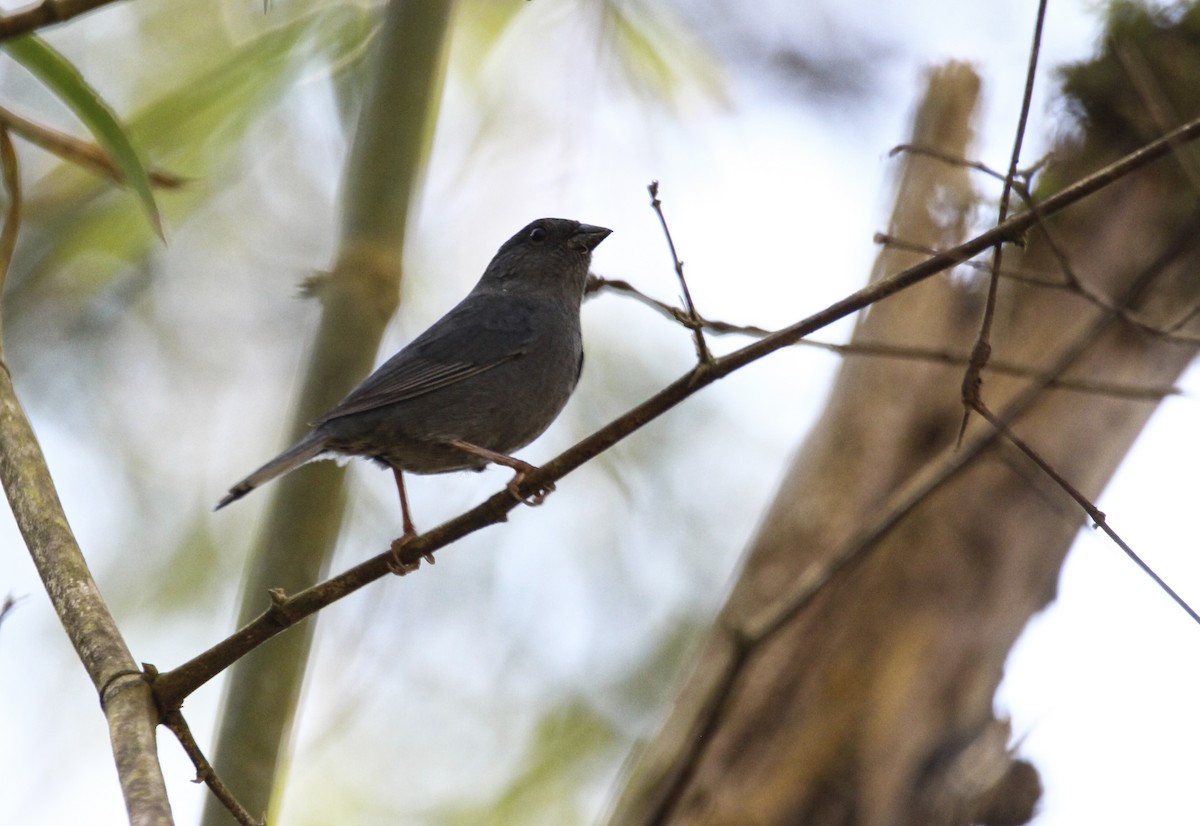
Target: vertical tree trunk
x=863, y=695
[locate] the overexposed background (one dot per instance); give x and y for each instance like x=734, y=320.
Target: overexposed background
x=509, y=681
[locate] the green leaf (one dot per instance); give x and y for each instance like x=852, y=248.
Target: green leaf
x=572, y=745
x=79, y=239
x=64, y=80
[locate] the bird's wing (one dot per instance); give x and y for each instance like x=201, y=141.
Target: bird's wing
x=472, y=338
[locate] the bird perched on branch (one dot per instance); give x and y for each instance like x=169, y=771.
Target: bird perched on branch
x=485, y=380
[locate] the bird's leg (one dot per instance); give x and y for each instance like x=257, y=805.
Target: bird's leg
x=523, y=469
x=396, y=565
x=409, y=529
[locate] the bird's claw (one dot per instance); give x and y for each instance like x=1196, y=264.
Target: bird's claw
x=538, y=497
x=396, y=564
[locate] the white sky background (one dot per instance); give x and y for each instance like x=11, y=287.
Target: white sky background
x=1102, y=688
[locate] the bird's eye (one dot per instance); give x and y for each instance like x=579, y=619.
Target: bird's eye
x=537, y=235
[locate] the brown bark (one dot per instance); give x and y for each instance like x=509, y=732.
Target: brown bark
x=850, y=676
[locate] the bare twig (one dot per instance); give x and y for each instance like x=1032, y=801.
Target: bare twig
x=46, y=13
x=927, y=481
x=1095, y=514
x=982, y=351
x=172, y=687
x=1072, y=282
x=693, y=318
x=1020, y=184
x=1169, y=333
x=597, y=283
x=1014, y=275
x=205, y=773
x=77, y=151
x=933, y=152
x=747, y=637
x=938, y=154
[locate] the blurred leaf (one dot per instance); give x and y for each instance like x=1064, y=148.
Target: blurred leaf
x=83, y=241
x=658, y=54
x=62, y=78
x=481, y=26
x=560, y=760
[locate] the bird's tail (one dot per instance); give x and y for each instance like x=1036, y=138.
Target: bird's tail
x=303, y=451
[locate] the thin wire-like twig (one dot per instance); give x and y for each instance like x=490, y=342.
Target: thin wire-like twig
x=982, y=351
x=1071, y=281
x=693, y=318
x=887, y=240
x=1095, y=514
x=933, y=152
x=945, y=157
x=1169, y=332
x=1126, y=391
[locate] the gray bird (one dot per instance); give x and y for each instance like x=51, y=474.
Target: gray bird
x=485, y=380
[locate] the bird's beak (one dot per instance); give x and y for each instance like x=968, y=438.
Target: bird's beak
x=589, y=237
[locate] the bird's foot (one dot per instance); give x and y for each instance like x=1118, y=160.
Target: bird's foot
x=396, y=563
x=538, y=497
x=522, y=468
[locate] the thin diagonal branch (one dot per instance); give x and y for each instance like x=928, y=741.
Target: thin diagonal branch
x=1015, y=275
x=940, y=471
x=76, y=151
x=1095, y=514
x=46, y=13
x=205, y=773
x=172, y=687
x=883, y=350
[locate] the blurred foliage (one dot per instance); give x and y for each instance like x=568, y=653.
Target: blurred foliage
x=578, y=742
x=64, y=80
x=567, y=748
x=82, y=236
x=200, y=87
x=659, y=58
x=1147, y=63
x=1149, y=59
x=655, y=54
